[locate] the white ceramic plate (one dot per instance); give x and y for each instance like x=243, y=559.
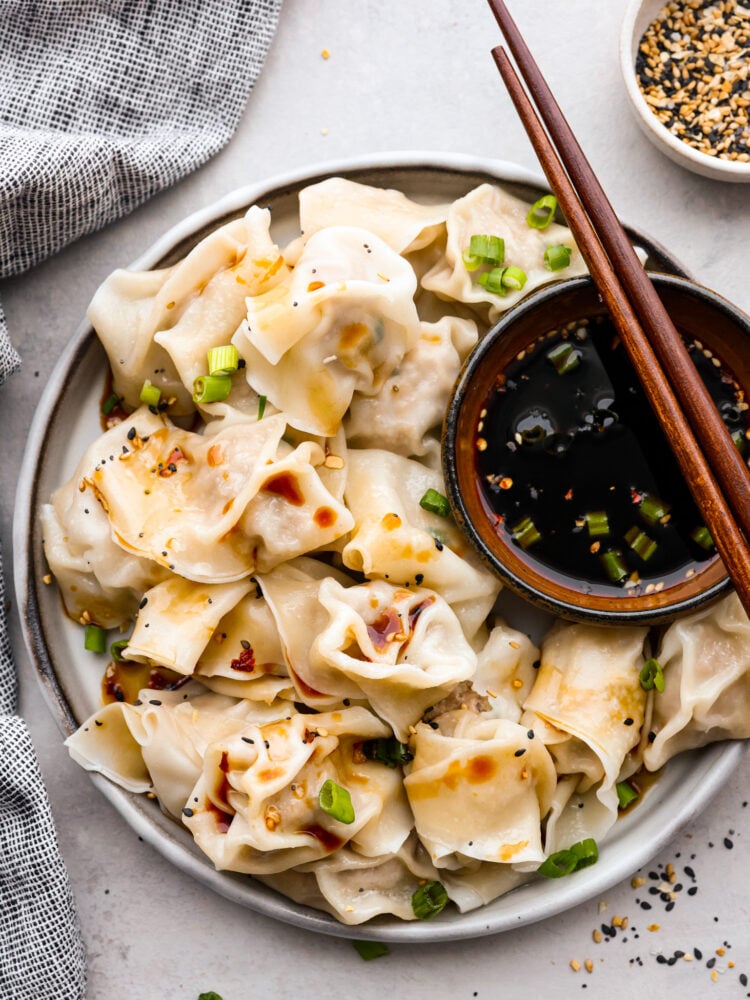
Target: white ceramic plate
x=67, y=419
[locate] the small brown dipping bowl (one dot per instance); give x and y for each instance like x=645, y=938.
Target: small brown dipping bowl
x=722, y=332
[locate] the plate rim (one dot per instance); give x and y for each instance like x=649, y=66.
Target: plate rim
x=145, y=819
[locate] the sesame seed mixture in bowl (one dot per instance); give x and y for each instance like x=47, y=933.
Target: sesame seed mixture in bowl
x=687, y=66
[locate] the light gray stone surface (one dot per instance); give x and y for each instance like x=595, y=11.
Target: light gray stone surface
x=402, y=74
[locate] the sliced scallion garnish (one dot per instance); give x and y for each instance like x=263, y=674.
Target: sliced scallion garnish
x=493, y=281
x=641, y=543
x=211, y=388
x=435, y=503
x=110, y=403
x=586, y=851
x=557, y=257
x=487, y=249
x=262, y=400
x=525, y=532
x=513, y=278
x=116, y=648
x=542, y=212
x=702, y=536
x=387, y=751
x=150, y=394
x=223, y=360
x=429, y=900
x=625, y=794
x=652, y=676
x=653, y=510
x=597, y=522
x=572, y=859
x=564, y=357
x=558, y=865
x=368, y=950
x=614, y=565
x=95, y=639
x=336, y=801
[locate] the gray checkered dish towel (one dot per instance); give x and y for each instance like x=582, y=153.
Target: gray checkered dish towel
x=102, y=104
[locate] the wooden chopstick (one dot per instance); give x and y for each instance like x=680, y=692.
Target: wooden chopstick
x=719, y=516
x=700, y=410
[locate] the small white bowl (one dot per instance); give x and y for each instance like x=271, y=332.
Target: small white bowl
x=638, y=15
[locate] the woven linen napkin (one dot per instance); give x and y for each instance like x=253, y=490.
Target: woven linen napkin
x=102, y=104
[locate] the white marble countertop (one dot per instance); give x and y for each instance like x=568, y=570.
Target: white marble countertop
x=400, y=76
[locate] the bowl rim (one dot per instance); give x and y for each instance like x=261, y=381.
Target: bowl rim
x=517, y=581
x=630, y=33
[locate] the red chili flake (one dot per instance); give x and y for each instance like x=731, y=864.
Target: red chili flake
x=245, y=661
x=568, y=495
x=635, y=496
x=177, y=455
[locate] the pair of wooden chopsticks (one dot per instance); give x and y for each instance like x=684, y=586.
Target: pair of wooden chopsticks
x=708, y=458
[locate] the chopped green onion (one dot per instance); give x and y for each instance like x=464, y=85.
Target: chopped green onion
x=429, y=900
x=640, y=543
x=110, y=403
x=542, y=212
x=702, y=536
x=513, y=277
x=471, y=263
x=209, y=996
x=653, y=510
x=150, y=394
x=211, y=388
x=223, y=360
x=95, y=639
x=525, y=533
x=652, y=676
x=625, y=794
x=387, y=751
x=740, y=440
x=586, y=851
x=115, y=650
x=558, y=864
x=336, y=801
x=564, y=357
x=597, y=523
x=487, y=249
x=262, y=400
x=557, y=257
x=572, y=859
x=436, y=503
x=493, y=281
x=614, y=565
x=368, y=950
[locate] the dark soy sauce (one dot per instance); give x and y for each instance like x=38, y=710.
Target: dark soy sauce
x=572, y=464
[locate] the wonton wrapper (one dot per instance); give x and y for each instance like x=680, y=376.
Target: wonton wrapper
x=403, y=224
x=99, y=582
x=411, y=402
x=403, y=650
x=160, y=743
x=256, y=803
x=588, y=705
x=395, y=539
x=489, y=209
x=355, y=888
x=479, y=788
x=209, y=508
x=341, y=321
x=706, y=663
x=158, y=325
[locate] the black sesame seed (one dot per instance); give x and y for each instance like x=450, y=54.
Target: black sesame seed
x=187, y=811
x=520, y=753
